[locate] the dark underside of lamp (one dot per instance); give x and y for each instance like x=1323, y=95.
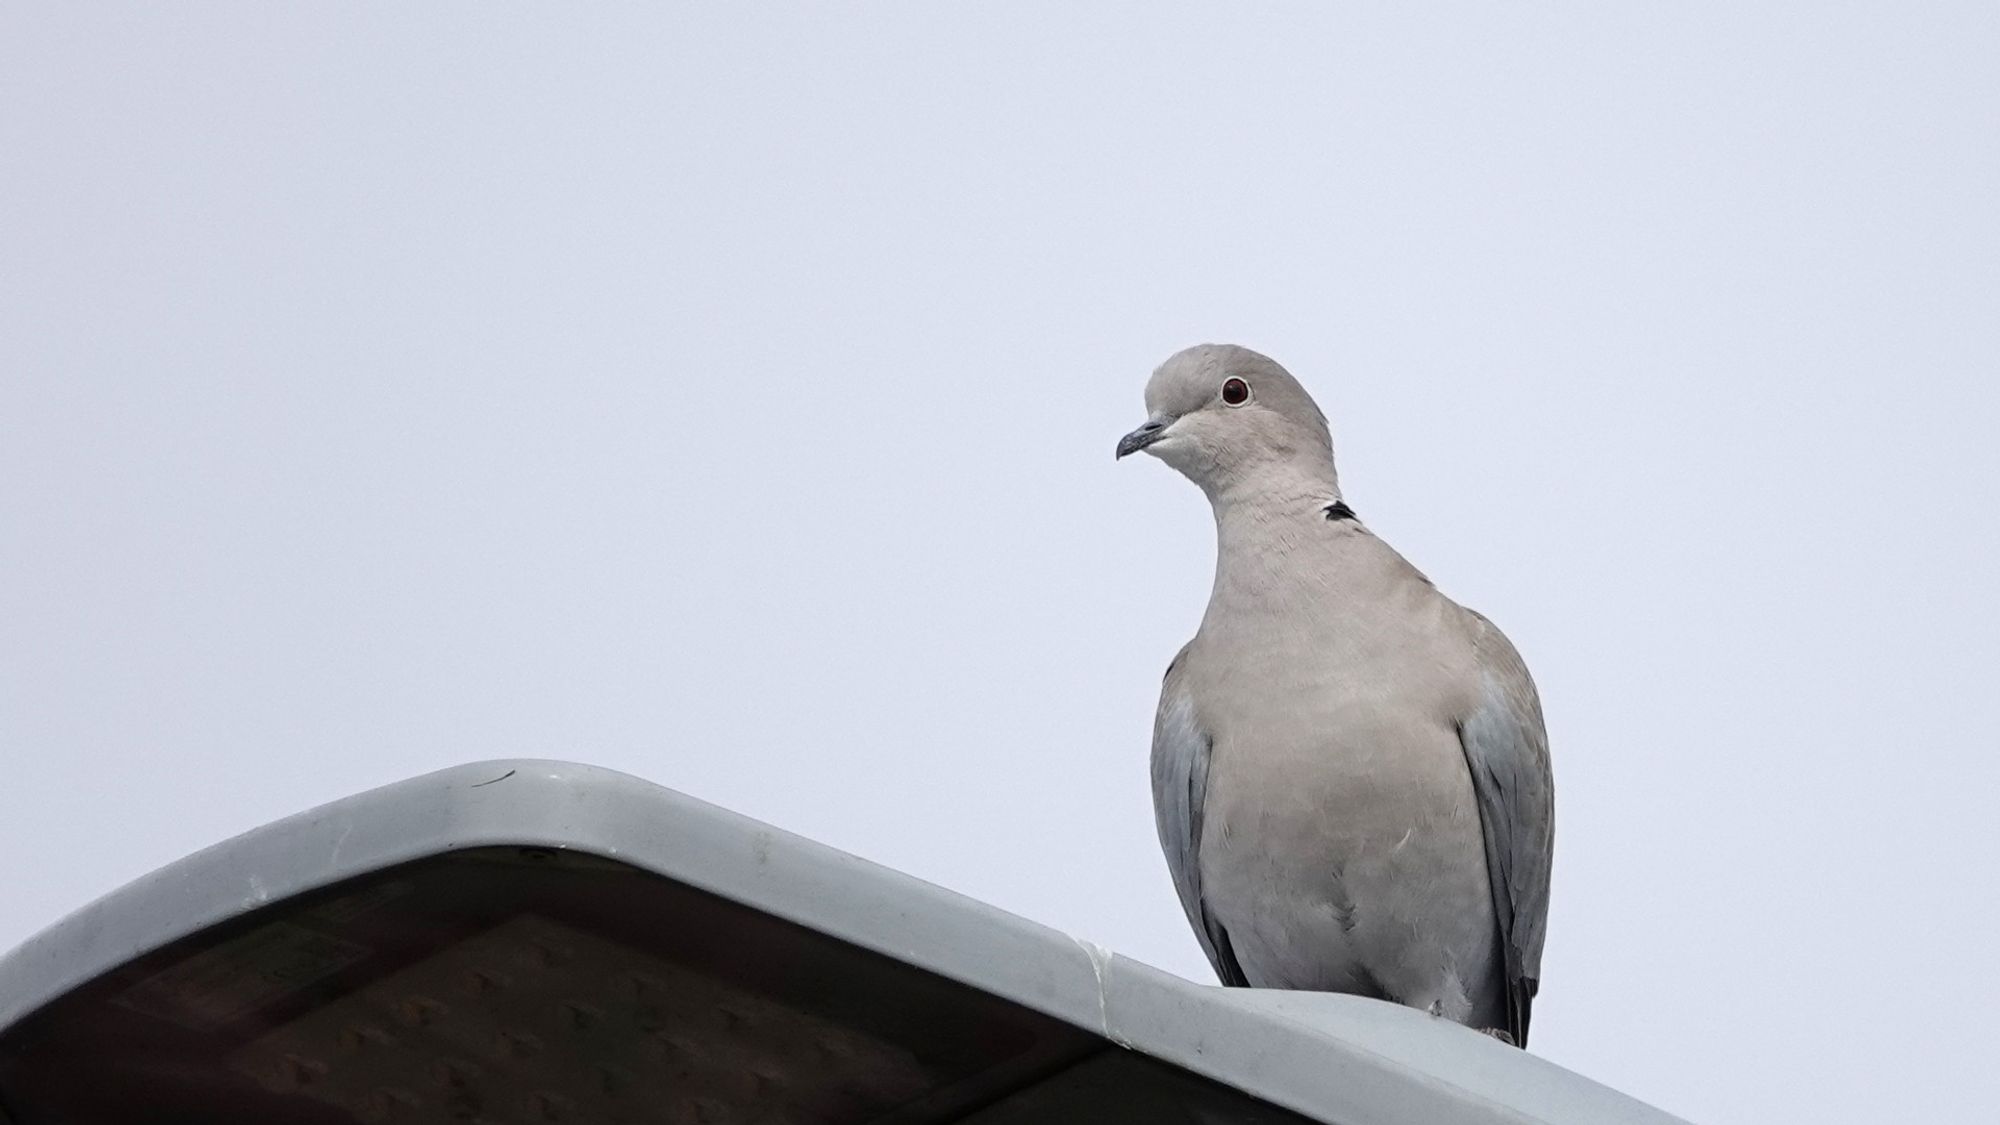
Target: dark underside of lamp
x=513, y=986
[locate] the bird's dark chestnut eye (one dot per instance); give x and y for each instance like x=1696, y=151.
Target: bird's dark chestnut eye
x=1235, y=392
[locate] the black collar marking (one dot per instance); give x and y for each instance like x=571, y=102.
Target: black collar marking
x=1338, y=510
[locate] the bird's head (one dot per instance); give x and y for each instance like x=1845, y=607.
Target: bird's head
x=1225, y=417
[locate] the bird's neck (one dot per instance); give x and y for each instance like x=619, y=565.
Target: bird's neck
x=1275, y=495
x=1261, y=520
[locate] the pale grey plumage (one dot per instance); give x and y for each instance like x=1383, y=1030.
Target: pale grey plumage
x=1350, y=772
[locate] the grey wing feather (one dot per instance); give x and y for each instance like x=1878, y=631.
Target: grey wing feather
x=1181, y=752
x=1507, y=752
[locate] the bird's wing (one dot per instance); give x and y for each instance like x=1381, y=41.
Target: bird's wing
x=1180, y=784
x=1507, y=751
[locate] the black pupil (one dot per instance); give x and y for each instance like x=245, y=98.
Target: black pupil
x=1235, y=391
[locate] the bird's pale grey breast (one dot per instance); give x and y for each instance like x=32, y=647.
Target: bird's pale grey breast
x=1350, y=773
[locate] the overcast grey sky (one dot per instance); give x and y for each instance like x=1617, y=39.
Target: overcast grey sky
x=727, y=396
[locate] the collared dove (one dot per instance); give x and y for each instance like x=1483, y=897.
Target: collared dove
x=1350, y=773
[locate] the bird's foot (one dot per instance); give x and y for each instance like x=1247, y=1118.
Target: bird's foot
x=1500, y=1033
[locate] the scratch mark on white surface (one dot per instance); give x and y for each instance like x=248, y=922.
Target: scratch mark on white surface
x=1099, y=958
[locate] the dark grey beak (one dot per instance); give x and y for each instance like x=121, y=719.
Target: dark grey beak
x=1141, y=438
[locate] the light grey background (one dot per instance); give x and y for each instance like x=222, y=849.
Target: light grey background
x=727, y=396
